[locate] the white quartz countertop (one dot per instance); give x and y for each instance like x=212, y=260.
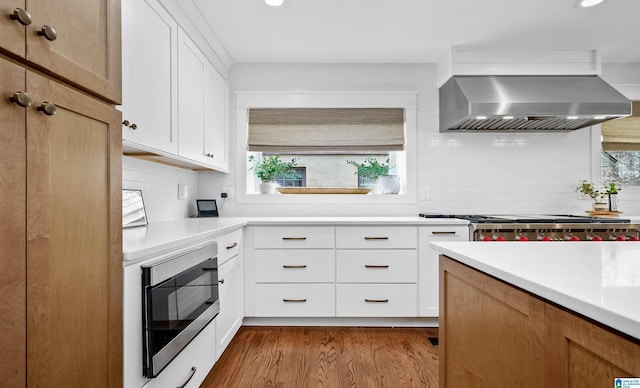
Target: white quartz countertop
x=599, y=280
x=145, y=242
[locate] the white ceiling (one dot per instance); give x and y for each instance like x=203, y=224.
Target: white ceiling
x=414, y=31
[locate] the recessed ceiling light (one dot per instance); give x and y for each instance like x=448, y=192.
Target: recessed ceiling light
x=572, y=117
x=599, y=117
x=590, y=3
x=507, y=118
x=481, y=117
x=277, y=3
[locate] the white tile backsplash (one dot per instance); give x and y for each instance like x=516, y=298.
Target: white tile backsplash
x=159, y=185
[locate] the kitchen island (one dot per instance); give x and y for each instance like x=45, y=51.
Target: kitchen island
x=539, y=314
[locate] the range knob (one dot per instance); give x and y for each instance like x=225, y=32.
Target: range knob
x=596, y=238
x=573, y=238
x=545, y=238
x=634, y=238
x=500, y=238
x=486, y=238
x=523, y=238
x=620, y=238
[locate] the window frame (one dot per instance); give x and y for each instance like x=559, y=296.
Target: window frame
x=368, y=99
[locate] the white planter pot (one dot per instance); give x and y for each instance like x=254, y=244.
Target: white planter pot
x=388, y=184
x=268, y=187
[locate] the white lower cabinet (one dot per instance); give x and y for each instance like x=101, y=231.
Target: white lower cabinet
x=295, y=300
x=231, y=313
x=192, y=364
x=428, y=290
x=376, y=300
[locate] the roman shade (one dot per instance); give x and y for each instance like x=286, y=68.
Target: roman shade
x=622, y=134
x=326, y=129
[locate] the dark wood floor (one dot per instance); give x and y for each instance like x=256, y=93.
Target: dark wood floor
x=327, y=357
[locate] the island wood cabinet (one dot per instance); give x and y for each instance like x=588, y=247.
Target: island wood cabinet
x=428, y=289
x=77, y=41
x=230, y=288
x=175, y=103
x=60, y=240
x=493, y=334
x=376, y=271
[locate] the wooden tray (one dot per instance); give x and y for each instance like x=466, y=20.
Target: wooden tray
x=322, y=190
x=604, y=213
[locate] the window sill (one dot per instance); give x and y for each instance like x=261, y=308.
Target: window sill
x=326, y=199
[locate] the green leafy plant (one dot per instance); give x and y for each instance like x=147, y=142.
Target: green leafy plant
x=272, y=167
x=590, y=190
x=371, y=168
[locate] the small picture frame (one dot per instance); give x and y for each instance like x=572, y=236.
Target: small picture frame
x=133, y=211
x=207, y=208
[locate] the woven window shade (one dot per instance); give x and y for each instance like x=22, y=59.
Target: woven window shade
x=326, y=129
x=622, y=134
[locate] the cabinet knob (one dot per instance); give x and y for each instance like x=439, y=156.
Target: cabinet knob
x=126, y=123
x=209, y=155
x=48, y=32
x=22, y=16
x=221, y=281
x=21, y=98
x=133, y=126
x=48, y=108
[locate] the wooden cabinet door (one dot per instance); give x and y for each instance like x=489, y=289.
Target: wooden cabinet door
x=74, y=267
x=12, y=38
x=149, y=76
x=12, y=229
x=86, y=50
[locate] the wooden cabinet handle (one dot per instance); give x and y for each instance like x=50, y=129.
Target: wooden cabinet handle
x=445, y=232
x=22, y=16
x=294, y=238
x=22, y=99
x=376, y=238
x=48, y=32
x=294, y=300
x=193, y=372
x=375, y=266
x=377, y=300
x=294, y=266
x=48, y=108
x=235, y=244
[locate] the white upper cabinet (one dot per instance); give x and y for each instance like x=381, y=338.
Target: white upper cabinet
x=175, y=102
x=149, y=76
x=202, y=107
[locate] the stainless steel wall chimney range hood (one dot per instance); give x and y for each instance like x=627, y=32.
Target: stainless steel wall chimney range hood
x=528, y=103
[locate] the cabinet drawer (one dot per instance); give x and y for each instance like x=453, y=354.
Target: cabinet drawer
x=444, y=233
x=229, y=245
x=377, y=266
x=302, y=237
x=376, y=237
x=376, y=300
x=295, y=300
x=294, y=266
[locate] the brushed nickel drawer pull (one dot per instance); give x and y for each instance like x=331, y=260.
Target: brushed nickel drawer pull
x=294, y=300
x=375, y=266
x=235, y=244
x=294, y=266
x=447, y=232
x=193, y=372
x=21, y=16
x=48, y=32
x=294, y=238
x=376, y=238
x=377, y=300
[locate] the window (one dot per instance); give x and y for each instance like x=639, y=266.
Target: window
x=299, y=179
x=327, y=167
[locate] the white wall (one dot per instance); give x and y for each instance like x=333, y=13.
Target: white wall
x=464, y=173
x=159, y=185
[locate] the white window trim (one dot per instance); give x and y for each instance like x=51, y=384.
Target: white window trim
x=325, y=99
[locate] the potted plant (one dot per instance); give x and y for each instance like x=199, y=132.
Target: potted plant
x=598, y=195
x=270, y=168
x=378, y=174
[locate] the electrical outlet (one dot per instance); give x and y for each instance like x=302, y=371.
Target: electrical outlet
x=425, y=194
x=228, y=190
x=183, y=191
